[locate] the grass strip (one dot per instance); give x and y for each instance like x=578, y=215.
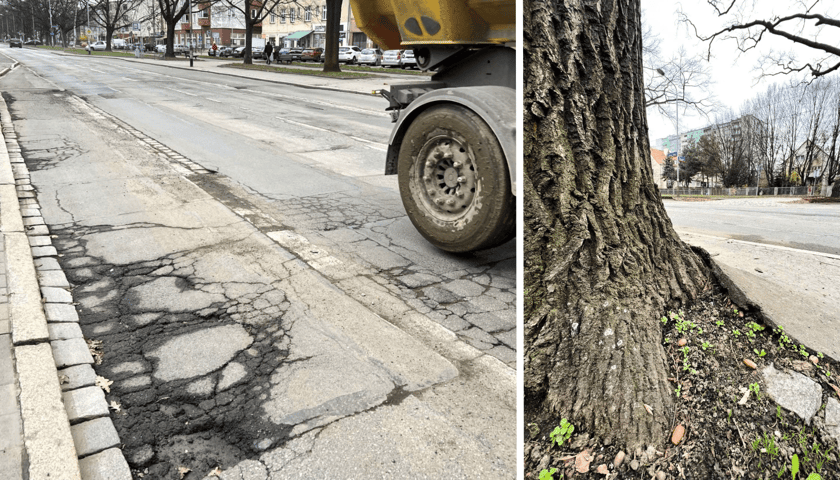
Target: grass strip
x=297, y=71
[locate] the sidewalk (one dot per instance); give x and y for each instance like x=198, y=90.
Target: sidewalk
x=796, y=289
x=53, y=423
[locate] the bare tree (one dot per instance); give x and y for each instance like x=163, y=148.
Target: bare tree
x=602, y=260
x=806, y=24
x=683, y=81
x=113, y=15
x=171, y=11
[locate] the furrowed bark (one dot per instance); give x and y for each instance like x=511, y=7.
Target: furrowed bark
x=602, y=260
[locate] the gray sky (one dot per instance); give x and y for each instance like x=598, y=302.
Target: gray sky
x=733, y=72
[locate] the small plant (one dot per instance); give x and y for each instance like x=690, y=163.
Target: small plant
x=794, y=465
x=719, y=323
x=547, y=474
x=802, y=351
x=754, y=388
x=736, y=332
x=705, y=346
x=678, y=391
x=561, y=434
x=761, y=353
x=820, y=355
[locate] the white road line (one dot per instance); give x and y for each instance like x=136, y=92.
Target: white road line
x=95, y=70
x=129, y=79
x=366, y=111
x=374, y=145
x=766, y=245
x=181, y=91
x=217, y=101
x=303, y=124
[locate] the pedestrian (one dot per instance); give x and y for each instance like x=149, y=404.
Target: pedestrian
x=268, y=49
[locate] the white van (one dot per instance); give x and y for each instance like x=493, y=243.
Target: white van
x=118, y=43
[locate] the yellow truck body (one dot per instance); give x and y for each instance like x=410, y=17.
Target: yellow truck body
x=394, y=24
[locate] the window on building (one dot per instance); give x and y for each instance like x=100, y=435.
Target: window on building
x=271, y=18
x=291, y=15
x=283, y=16
x=205, y=13
x=253, y=14
x=307, y=15
x=324, y=13
x=237, y=39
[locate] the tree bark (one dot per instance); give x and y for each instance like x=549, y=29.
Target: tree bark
x=331, y=36
x=602, y=260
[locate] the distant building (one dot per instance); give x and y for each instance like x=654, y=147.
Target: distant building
x=657, y=162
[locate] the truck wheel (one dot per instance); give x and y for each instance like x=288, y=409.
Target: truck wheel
x=454, y=181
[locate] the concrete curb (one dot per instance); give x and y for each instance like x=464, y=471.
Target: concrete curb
x=50, y=443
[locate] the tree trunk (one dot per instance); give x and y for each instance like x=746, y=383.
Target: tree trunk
x=170, y=37
x=331, y=36
x=602, y=261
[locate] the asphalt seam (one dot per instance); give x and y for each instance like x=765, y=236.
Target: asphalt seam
x=765, y=245
x=51, y=443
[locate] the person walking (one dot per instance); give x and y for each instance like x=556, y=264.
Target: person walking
x=268, y=49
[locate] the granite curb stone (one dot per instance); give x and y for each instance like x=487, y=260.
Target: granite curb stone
x=106, y=465
x=71, y=352
x=94, y=436
x=85, y=404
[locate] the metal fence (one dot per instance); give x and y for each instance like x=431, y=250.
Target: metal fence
x=750, y=191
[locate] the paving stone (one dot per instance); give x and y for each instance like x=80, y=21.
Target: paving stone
x=480, y=335
x=486, y=303
x=136, y=383
x=464, y=288
x=12, y=432
x=61, y=312
x=28, y=212
x=11, y=462
x=39, y=241
x=416, y=280
x=85, y=404
x=200, y=352
x=832, y=419
x=107, y=465
x=33, y=221
x=56, y=295
x=793, y=391
x=440, y=295
x=8, y=399
x=488, y=322
x=53, y=278
x=7, y=364
x=77, y=376
x=71, y=352
x=46, y=263
x=64, y=331
x=94, y=436
x=503, y=353
x=38, y=252
x=508, y=338
x=37, y=230
x=5, y=326
x=3, y=279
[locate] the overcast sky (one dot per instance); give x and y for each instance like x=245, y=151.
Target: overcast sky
x=735, y=77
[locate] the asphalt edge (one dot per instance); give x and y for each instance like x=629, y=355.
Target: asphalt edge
x=43, y=339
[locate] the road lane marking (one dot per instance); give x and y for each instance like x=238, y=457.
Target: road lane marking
x=303, y=124
x=767, y=245
x=181, y=91
x=217, y=101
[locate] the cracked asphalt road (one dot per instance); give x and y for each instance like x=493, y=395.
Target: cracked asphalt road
x=280, y=319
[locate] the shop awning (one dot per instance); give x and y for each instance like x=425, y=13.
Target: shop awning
x=298, y=35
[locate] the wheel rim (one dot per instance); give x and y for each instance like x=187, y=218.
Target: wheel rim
x=446, y=177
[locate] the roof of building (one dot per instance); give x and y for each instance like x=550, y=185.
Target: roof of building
x=658, y=156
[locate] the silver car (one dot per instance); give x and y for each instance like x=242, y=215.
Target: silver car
x=371, y=56
x=408, y=60
x=391, y=58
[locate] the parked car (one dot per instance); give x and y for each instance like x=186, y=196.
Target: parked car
x=392, y=58
x=289, y=55
x=371, y=56
x=350, y=54
x=15, y=42
x=224, y=52
x=312, y=55
x=160, y=48
x=408, y=60
x=33, y=42
x=98, y=46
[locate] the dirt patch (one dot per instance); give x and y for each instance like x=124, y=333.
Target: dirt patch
x=817, y=200
x=732, y=428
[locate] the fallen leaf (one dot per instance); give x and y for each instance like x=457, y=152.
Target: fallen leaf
x=602, y=469
x=582, y=461
x=836, y=389
x=62, y=379
x=682, y=342
x=648, y=408
x=750, y=363
x=678, y=434
x=115, y=406
x=215, y=472
x=183, y=471
x=104, y=383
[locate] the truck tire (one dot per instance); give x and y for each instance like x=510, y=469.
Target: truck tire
x=454, y=181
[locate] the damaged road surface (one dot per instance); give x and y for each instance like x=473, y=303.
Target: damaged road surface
x=265, y=334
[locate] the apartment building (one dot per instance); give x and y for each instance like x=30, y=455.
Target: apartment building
x=210, y=23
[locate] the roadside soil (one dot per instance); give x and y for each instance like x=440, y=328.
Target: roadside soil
x=733, y=430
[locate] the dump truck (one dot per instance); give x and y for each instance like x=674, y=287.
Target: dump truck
x=453, y=147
